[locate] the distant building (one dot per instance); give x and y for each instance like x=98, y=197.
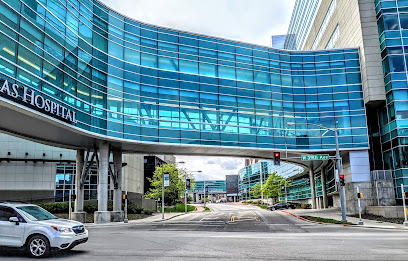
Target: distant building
x=278, y=41
x=232, y=187
x=216, y=189
x=303, y=17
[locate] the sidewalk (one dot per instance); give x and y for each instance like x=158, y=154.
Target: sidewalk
x=155, y=217
x=199, y=208
x=335, y=213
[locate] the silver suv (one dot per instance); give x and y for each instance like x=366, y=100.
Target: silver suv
x=37, y=230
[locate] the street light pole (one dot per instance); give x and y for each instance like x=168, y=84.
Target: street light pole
x=262, y=195
x=339, y=166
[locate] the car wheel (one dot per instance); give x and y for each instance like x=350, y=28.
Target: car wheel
x=38, y=246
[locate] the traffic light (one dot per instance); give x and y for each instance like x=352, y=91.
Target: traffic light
x=277, y=158
x=283, y=188
x=124, y=196
x=342, y=180
x=73, y=197
x=307, y=181
x=359, y=195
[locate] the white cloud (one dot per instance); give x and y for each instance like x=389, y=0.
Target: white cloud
x=211, y=167
x=252, y=21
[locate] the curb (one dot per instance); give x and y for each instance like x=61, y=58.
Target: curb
x=121, y=224
x=161, y=220
x=345, y=225
x=294, y=215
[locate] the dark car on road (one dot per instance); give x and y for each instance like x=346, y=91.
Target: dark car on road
x=282, y=206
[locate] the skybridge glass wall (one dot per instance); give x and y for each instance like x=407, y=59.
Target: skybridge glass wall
x=141, y=83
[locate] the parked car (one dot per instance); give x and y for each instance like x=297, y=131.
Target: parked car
x=36, y=230
x=282, y=206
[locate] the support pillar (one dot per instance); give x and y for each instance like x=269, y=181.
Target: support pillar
x=117, y=213
x=312, y=187
x=103, y=215
x=324, y=191
x=79, y=214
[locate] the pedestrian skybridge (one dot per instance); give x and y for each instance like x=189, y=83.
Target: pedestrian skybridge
x=74, y=72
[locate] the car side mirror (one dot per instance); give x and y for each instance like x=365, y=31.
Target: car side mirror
x=15, y=220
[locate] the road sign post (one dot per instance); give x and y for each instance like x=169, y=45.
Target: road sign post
x=166, y=183
x=187, y=186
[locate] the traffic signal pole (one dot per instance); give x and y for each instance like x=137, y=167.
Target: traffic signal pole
x=340, y=171
x=403, y=203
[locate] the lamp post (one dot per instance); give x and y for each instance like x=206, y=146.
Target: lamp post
x=185, y=184
x=339, y=165
x=198, y=171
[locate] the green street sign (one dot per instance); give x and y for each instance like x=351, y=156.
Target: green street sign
x=315, y=157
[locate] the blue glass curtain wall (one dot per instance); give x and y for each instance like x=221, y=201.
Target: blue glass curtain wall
x=143, y=83
x=392, y=21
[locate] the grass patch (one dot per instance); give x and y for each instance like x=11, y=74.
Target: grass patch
x=207, y=209
x=380, y=218
x=326, y=220
x=263, y=206
x=178, y=208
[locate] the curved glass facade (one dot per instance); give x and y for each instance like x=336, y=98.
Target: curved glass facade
x=392, y=21
x=299, y=187
x=251, y=175
x=142, y=83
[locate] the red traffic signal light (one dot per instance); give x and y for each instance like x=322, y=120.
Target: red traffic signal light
x=277, y=158
x=73, y=197
x=342, y=180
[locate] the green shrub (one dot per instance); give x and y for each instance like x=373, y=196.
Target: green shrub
x=148, y=211
x=90, y=207
x=305, y=206
x=56, y=207
x=134, y=209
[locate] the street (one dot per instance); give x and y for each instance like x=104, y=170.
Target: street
x=235, y=232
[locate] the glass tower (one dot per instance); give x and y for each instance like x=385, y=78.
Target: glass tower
x=392, y=20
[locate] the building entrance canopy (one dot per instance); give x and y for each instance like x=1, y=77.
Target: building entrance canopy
x=94, y=74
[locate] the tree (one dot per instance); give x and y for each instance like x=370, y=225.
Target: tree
x=172, y=192
x=272, y=187
x=177, y=183
x=256, y=191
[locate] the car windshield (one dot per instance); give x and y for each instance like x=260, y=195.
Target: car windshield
x=35, y=213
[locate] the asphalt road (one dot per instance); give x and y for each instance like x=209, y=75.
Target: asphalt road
x=232, y=232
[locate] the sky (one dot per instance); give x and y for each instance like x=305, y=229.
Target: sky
x=252, y=21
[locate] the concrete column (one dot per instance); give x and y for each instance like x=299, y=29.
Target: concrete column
x=103, y=215
x=117, y=213
x=312, y=186
x=324, y=191
x=79, y=214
